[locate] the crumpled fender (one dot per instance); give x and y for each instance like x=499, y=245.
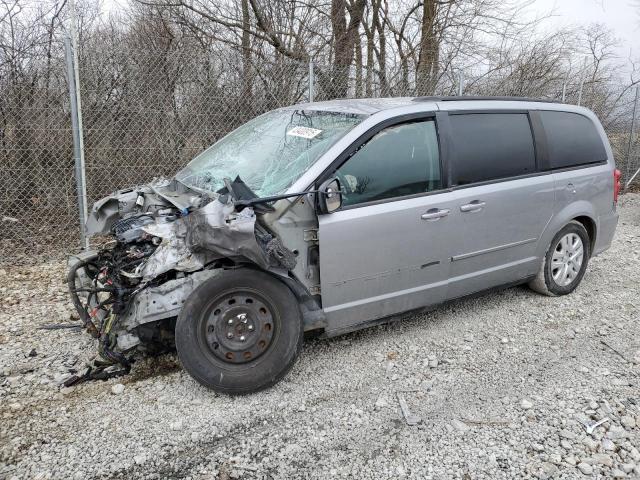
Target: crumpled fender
x=107, y=211
x=213, y=231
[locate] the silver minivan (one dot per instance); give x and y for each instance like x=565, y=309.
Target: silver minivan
x=332, y=216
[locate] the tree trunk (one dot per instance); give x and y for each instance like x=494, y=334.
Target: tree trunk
x=246, y=58
x=345, y=35
x=382, y=52
x=429, y=50
x=359, y=89
x=370, y=32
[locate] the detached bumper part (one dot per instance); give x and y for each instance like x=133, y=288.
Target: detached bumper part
x=158, y=303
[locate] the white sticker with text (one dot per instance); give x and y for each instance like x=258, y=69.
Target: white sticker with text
x=304, y=132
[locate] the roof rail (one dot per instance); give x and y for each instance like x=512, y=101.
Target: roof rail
x=473, y=97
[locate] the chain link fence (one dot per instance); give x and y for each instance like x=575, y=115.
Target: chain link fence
x=38, y=204
x=166, y=110
x=146, y=114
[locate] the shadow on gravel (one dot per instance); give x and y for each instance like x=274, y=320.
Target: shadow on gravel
x=152, y=366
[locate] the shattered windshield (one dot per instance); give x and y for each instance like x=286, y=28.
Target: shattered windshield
x=270, y=152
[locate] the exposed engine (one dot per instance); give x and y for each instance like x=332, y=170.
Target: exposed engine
x=109, y=280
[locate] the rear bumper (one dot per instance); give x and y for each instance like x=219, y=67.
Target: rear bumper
x=606, y=230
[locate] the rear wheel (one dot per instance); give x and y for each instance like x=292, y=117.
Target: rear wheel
x=239, y=332
x=565, y=262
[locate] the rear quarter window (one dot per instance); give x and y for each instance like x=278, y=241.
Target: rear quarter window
x=572, y=140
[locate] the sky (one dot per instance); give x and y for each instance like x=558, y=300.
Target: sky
x=621, y=16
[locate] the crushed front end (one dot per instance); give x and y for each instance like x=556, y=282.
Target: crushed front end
x=161, y=241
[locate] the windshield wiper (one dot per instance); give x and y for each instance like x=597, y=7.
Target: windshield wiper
x=229, y=187
x=272, y=198
x=243, y=196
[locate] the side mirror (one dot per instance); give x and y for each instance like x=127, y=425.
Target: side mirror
x=330, y=196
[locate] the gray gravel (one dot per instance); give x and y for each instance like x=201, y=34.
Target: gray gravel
x=502, y=384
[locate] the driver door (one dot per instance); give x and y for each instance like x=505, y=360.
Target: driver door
x=385, y=251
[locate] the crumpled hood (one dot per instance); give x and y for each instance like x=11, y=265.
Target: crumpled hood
x=190, y=229
x=158, y=193
x=213, y=231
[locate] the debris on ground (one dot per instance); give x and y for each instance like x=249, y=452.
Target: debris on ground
x=409, y=417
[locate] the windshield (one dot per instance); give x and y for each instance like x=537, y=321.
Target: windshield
x=270, y=152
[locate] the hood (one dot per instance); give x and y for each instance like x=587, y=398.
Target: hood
x=160, y=193
x=187, y=229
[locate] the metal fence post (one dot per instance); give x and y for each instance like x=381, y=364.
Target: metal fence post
x=580, y=90
x=582, y=78
x=460, y=83
x=630, y=146
x=77, y=143
x=71, y=49
x=311, y=81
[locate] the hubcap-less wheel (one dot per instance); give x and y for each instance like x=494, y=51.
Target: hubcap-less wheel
x=239, y=327
x=566, y=260
x=239, y=331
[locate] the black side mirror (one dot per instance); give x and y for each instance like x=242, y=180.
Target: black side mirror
x=330, y=196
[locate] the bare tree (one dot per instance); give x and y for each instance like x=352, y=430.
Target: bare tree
x=163, y=79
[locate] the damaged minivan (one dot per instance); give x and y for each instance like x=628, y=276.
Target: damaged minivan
x=331, y=216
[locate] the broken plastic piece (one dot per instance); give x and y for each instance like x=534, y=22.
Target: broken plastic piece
x=592, y=426
x=409, y=417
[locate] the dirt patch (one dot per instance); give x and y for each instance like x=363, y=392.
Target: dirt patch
x=147, y=368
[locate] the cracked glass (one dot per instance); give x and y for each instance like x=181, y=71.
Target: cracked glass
x=270, y=152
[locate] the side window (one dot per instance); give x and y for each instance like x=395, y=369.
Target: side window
x=490, y=146
x=398, y=161
x=572, y=139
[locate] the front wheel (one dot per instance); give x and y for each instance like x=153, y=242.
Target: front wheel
x=565, y=261
x=239, y=332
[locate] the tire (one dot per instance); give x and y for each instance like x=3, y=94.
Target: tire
x=553, y=279
x=239, y=332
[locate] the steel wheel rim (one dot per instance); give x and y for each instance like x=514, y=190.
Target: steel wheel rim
x=566, y=260
x=239, y=326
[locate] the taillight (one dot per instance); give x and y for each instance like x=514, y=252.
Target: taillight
x=616, y=184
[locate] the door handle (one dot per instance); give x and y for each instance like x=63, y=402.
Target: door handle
x=474, y=206
x=435, y=214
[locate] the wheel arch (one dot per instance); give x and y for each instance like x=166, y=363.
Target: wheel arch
x=580, y=211
x=590, y=226
x=313, y=317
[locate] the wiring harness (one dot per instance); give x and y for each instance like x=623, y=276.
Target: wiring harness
x=113, y=282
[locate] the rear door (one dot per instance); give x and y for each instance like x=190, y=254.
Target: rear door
x=501, y=206
x=386, y=250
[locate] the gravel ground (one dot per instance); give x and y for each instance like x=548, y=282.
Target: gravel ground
x=502, y=384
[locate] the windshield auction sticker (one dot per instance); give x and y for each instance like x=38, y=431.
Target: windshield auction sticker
x=304, y=132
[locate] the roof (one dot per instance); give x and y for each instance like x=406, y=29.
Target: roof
x=366, y=106
x=369, y=106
